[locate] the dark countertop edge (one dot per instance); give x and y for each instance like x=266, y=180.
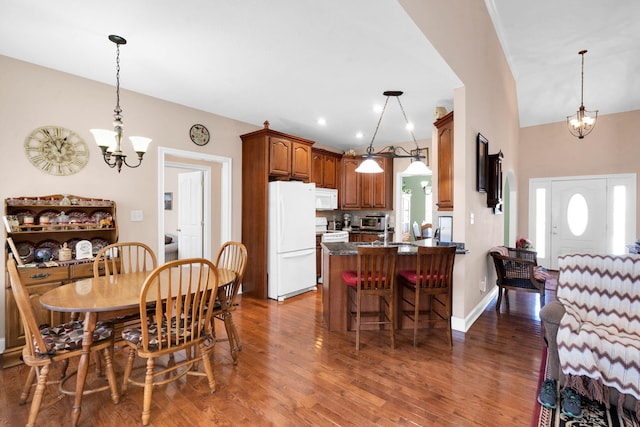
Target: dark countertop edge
x=350, y=248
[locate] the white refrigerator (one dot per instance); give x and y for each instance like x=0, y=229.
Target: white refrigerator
x=291, y=265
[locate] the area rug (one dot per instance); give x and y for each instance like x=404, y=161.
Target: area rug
x=594, y=414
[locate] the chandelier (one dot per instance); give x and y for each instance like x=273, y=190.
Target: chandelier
x=109, y=141
x=583, y=122
x=417, y=166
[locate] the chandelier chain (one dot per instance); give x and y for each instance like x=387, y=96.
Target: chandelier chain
x=117, y=110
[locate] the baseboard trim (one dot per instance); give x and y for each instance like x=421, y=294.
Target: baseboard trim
x=463, y=325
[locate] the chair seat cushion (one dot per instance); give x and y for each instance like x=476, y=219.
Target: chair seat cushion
x=411, y=276
x=134, y=335
x=350, y=277
x=68, y=336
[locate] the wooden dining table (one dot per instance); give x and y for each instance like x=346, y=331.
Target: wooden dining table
x=104, y=294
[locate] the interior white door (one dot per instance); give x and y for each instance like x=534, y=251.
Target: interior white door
x=578, y=217
x=190, y=214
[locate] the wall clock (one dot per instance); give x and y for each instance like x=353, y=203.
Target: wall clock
x=56, y=150
x=199, y=134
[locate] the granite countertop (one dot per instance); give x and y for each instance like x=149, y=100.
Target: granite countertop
x=404, y=248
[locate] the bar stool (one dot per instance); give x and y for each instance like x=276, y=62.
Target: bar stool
x=375, y=276
x=433, y=277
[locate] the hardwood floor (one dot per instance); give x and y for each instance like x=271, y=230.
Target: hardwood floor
x=292, y=372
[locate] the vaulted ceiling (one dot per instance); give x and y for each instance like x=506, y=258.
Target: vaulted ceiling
x=294, y=61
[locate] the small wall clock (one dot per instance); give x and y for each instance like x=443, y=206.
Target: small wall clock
x=56, y=150
x=199, y=134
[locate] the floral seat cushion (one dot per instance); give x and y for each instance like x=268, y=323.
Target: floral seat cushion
x=134, y=335
x=68, y=336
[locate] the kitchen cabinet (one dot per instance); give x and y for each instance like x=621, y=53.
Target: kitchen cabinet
x=366, y=190
x=444, y=143
x=267, y=155
x=34, y=225
x=369, y=237
x=494, y=182
x=289, y=159
x=325, y=168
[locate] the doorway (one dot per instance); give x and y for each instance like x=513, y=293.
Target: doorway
x=414, y=202
x=592, y=214
x=216, y=211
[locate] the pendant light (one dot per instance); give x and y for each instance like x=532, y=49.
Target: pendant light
x=582, y=123
x=369, y=165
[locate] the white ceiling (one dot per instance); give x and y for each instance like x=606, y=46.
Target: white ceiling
x=293, y=61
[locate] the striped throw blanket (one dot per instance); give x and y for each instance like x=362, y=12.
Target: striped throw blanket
x=599, y=335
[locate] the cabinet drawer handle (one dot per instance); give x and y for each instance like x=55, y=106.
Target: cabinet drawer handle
x=39, y=276
x=101, y=269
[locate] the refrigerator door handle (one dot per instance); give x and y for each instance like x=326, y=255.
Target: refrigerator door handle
x=297, y=254
x=281, y=219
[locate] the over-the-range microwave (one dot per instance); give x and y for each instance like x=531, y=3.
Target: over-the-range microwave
x=326, y=199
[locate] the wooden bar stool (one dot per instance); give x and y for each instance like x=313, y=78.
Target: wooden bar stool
x=375, y=276
x=433, y=276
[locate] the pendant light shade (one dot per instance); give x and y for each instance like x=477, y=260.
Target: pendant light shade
x=369, y=165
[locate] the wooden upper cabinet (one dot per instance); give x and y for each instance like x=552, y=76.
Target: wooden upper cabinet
x=279, y=156
x=289, y=159
x=350, y=196
x=300, y=161
x=377, y=187
x=445, y=162
x=325, y=168
x=364, y=190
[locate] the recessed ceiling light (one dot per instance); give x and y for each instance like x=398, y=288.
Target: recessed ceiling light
x=359, y=135
x=377, y=108
x=409, y=126
x=322, y=121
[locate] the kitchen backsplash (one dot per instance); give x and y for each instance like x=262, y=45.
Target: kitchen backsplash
x=355, y=215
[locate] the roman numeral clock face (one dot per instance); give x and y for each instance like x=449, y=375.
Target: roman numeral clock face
x=56, y=150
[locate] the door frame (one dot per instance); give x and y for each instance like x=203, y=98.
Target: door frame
x=226, y=202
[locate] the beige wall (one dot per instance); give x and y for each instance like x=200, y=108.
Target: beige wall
x=551, y=151
x=33, y=96
x=462, y=31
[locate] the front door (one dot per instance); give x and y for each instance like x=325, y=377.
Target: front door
x=578, y=217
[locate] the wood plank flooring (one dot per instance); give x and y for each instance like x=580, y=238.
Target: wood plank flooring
x=292, y=372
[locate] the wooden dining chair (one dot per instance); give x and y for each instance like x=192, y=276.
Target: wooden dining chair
x=375, y=276
x=184, y=293
x=232, y=256
x=45, y=345
x=432, y=277
x=121, y=258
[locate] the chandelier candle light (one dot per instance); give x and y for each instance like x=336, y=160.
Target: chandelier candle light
x=369, y=165
x=109, y=141
x=583, y=122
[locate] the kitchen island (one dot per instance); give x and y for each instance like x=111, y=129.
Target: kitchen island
x=341, y=256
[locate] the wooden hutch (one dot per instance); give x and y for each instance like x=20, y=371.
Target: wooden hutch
x=35, y=230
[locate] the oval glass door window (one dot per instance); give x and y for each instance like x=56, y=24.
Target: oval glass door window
x=577, y=214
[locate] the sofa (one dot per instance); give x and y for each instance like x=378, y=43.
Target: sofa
x=593, y=329
x=170, y=247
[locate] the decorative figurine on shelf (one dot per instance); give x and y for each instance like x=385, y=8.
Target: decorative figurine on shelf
x=64, y=254
x=65, y=200
x=106, y=222
x=523, y=243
